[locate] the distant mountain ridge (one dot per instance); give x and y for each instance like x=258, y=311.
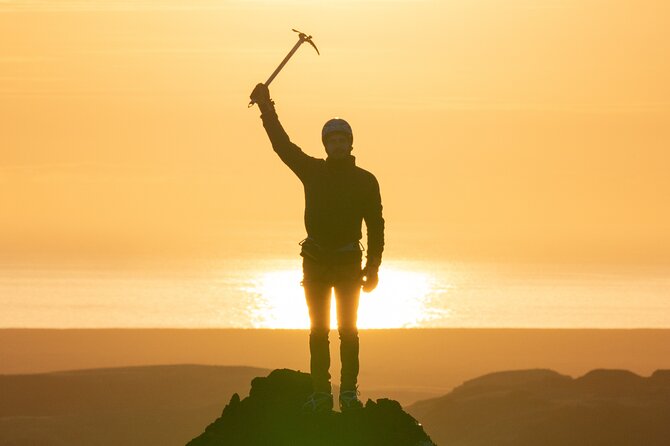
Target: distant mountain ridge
x=542, y=407
x=130, y=406
x=173, y=404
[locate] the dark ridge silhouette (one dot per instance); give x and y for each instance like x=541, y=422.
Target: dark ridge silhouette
x=662, y=377
x=163, y=405
x=170, y=405
x=542, y=407
x=271, y=415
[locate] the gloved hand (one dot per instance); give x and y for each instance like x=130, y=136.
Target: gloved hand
x=371, y=278
x=261, y=95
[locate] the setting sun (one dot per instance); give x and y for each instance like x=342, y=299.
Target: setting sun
x=400, y=301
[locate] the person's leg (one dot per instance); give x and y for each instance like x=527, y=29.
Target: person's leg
x=347, y=294
x=317, y=295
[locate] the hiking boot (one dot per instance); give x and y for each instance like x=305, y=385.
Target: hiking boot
x=318, y=402
x=349, y=400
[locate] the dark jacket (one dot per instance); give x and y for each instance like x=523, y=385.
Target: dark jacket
x=338, y=195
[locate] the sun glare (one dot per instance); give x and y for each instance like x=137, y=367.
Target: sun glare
x=400, y=301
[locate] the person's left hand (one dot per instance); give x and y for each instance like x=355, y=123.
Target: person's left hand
x=371, y=278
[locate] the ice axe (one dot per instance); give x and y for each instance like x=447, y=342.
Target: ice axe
x=302, y=37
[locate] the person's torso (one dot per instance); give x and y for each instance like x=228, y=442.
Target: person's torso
x=335, y=201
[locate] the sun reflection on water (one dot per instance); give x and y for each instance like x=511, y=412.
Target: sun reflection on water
x=402, y=300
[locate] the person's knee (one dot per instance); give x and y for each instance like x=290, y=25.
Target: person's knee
x=348, y=333
x=319, y=333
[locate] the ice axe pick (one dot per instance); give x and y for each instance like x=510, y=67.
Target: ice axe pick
x=302, y=37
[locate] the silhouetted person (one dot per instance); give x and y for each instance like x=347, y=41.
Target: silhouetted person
x=338, y=196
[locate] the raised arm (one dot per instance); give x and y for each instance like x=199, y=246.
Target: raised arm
x=297, y=160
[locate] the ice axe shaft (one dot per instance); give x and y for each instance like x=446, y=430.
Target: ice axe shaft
x=302, y=37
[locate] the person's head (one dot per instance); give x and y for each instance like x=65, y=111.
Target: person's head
x=337, y=138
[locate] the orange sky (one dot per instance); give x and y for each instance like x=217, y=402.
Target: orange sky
x=531, y=129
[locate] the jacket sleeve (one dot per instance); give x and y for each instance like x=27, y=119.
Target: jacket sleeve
x=297, y=160
x=374, y=223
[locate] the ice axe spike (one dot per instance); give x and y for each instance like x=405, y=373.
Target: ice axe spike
x=302, y=37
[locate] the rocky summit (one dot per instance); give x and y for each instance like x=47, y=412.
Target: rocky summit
x=271, y=415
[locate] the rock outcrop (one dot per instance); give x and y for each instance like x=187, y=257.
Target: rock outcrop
x=271, y=416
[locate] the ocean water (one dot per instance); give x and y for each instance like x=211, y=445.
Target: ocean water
x=267, y=294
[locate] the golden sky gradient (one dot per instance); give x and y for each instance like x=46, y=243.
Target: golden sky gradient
x=530, y=129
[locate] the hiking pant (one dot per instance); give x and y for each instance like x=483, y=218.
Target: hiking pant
x=318, y=280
